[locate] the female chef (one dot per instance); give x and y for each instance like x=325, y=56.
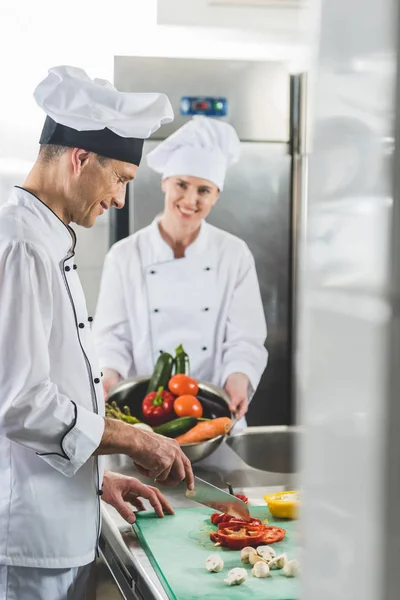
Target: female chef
x=183, y=281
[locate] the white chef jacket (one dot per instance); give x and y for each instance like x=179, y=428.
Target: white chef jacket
x=51, y=399
x=209, y=301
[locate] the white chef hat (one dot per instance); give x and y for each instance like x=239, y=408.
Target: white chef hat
x=203, y=147
x=95, y=116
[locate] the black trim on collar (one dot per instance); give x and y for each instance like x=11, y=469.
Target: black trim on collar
x=69, y=229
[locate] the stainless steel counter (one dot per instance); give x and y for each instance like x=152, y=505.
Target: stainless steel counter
x=118, y=544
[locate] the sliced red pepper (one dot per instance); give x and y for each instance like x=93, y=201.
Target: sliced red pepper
x=239, y=536
x=233, y=534
x=273, y=534
x=217, y=518
x=240, y=496
x=158, y=407
x=214, y=537
x=233, y=521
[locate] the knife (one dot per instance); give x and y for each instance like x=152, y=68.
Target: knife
x=213, y=497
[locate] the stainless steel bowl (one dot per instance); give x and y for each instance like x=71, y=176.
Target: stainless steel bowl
x=215, y=404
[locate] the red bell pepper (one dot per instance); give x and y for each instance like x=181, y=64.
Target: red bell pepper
x=240, y=496
x=158, y=407
x=217, y=518
x=236, y=537
x=234, y=521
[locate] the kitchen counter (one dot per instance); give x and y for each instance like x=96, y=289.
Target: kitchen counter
x=122, y=551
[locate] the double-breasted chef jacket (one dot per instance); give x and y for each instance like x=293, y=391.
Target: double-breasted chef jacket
x=51, y=397
x=209, y=301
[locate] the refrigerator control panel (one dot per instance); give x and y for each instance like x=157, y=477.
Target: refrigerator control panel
x=201, y=105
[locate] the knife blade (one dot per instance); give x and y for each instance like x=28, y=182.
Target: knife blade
x=213, y=497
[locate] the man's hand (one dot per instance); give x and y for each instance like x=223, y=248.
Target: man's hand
x=237, y=388
x=162, y=459
x=155, y=456
x=118, y=490
x=110, y=379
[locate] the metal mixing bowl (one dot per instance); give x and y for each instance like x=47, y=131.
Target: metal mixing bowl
x=215, y=404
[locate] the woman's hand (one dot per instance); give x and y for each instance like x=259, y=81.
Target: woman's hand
x=118, y=490
x=237, y=388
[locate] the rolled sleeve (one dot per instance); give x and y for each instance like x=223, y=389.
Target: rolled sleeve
x=242, y=366
x=79, y=443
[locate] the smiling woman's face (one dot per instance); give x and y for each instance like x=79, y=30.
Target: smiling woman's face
x=188, y=200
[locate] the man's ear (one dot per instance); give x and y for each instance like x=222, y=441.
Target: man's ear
x=80, y=159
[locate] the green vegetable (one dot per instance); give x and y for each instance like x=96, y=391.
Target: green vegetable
x=162, y=373
x=130, y=420
x=182, y=363
x=114, y=412
x=176, y=427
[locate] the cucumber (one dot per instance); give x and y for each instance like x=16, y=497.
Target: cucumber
x=176, y=427
x=162, y=373
x=182, y=363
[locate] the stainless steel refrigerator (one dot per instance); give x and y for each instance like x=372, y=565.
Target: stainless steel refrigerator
x=258, y=203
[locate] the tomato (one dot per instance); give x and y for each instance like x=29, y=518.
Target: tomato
x=181, y=385
x=188, y=406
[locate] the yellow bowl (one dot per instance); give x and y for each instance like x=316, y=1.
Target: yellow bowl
x=283, y=505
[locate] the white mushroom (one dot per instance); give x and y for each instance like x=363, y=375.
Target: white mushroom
x=260, y=569
x=254, y=558
x=291, y=568
x=236, y=576
x=278, y=562
x=143, y=426
x=214, y=563
x=266, y=552
x=246, y=553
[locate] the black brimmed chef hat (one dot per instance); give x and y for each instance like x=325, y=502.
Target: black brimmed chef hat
x=95, y=116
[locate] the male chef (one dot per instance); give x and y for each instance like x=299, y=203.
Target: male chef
x=52, y=425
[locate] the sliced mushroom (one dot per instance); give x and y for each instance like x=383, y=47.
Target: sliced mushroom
x=214, y=563
x=236, y=576
x=266, y=552
x=278, y=562
x=246, y=553
x=291, y=568
x=255, y=558
x=260, y=570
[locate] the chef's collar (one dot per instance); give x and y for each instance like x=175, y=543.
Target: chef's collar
x=63, y=236
x=164, y=251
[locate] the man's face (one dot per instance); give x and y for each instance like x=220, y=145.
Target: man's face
x=95, y=187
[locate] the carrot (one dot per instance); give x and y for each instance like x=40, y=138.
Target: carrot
x=206, y=430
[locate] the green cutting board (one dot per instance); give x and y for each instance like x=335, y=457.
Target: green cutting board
x=178, y=546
